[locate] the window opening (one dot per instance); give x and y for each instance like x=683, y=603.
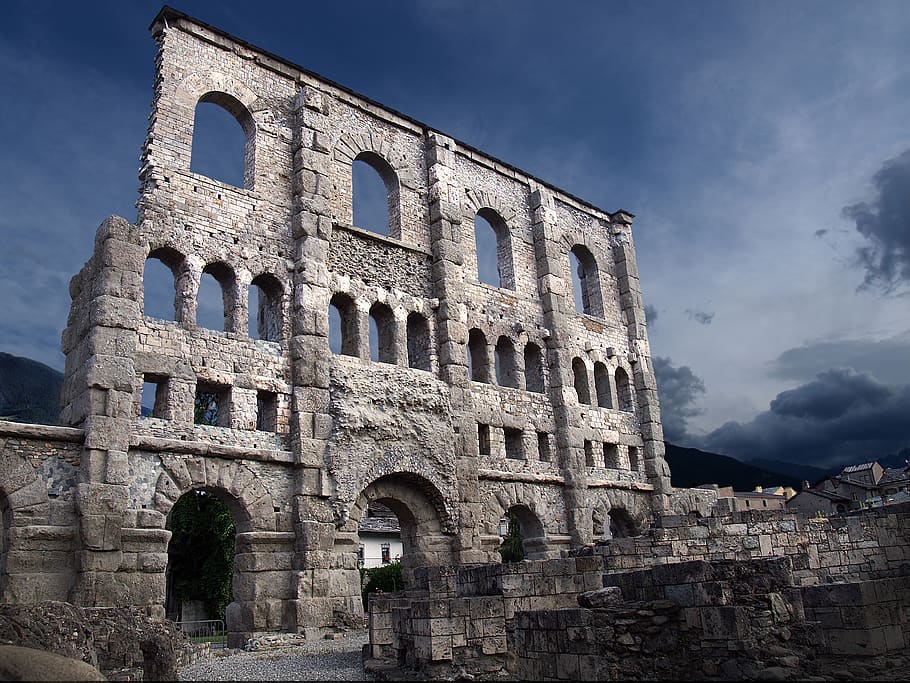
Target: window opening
x=223, y=140
x=543, y=446
x=580, y=373
x=477, y=357
x=159, y=284
x=386, y=553
x=506, y=370
x=634, y=461
x=589, y=454
x=514, y=445
x=418, y=342
x=382, y=334
x=585, y=281
x=265, y=308
x=266, y=411
x=212, y=405
x=375, y=195
x=154, y=396
x=534, y=380
x=493, y=247
x=602, y=385
x=343, y=332
x=483, y=439
x=611, y=455
x=624, y=391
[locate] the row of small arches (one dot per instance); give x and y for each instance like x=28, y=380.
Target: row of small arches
x=375, y=198
x=604, y=384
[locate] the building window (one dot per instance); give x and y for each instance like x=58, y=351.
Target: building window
x=534, y=380
x=382, y=334
x=220, y=150
x=514, y=446
x=343, y=331
x=580, y=374
x=375, y=195
x=153, y=402
x=483, y=439
x=506, y=370
x=212, y=405
x=543, y=446
x=418, y=342
x=634, y=460
x=266, y=411
x=216, y=308
x=264, y=308
x=589, y=453
x=478, y=363
x=602, y=385
x=386, y=553
x=494, y=250
x=585, y=281
x=611, y=455
x=360, y=555
x=624, y=391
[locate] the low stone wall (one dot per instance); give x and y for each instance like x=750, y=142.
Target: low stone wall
x=865, y=618
x=867, y=544
x=458, y=618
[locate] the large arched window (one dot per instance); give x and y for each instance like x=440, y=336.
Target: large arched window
x=215, y=304
x=418, y=342
x=382, y=334
x=375, y=195
x=580, y=375
x=163, y=267
x=494, y=250
x=344, y=335
x=506, y=369
x=585, y=281
x=221, y=149
x=534, y=379
x=478, y=362
x=265, y=308
x=624, y=393
x=602, y=385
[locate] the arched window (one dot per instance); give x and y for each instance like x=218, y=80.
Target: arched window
x=621, y=524
x=534, y=368
x=506, y=370
x=221, y=150
x=494, y=250
x=215, y=305
x=265, y=308
x=585, y=281
x=477, y=356
x=344, y=336
x=375, y=195
x=624, y=391
x=580, y=373
x=602, y=385
x=418, y=342
x=634, y=459
x=163, y=267
x=382, y=334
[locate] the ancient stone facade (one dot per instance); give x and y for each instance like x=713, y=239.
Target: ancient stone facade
x=484, y=400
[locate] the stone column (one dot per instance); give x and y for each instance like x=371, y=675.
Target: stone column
x=452, y=337
x=100, y=344
x=647, y=406
x=311, y=421
x=556, y=298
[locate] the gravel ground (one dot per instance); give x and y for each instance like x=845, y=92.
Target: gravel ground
x=318, y=660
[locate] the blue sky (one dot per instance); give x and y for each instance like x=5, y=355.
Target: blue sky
x=762, y=146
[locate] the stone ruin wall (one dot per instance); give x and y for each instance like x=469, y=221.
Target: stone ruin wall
x=343, y=430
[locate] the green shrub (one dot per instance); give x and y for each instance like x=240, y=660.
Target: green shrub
x=512, y=549
x=386, y=578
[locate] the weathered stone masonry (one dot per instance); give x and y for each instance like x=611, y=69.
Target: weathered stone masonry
x=568, y=436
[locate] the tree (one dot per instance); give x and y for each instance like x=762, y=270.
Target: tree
x=512, y=549
x=201, y=551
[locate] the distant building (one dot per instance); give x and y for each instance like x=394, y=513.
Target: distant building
x=767, y=498
x=867, y=484
x=380, y=537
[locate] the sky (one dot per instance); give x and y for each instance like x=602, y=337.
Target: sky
x=764, y=148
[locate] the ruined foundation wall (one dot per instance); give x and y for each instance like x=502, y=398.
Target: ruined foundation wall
x=868, y=544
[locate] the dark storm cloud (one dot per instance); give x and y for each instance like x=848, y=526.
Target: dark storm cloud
x=885, y=223
x=679, y=389
x=650, y=314
x=885, y=358
x=702, y=317
x=841, y=416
